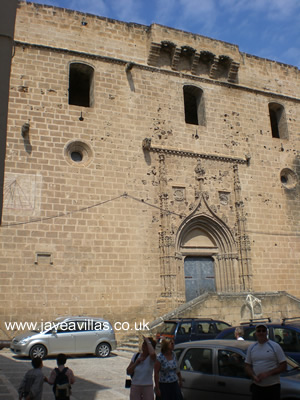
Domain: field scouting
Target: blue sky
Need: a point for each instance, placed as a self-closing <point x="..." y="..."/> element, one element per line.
<point x="265" y="28"/>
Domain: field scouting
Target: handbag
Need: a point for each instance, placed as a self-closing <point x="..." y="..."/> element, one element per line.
<point x="128" y="381"/>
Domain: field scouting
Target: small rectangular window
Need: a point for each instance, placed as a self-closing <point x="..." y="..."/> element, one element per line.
<point x="81" y="85"/>
<point x="193" y="105"/>
<point x="278" y="121"/>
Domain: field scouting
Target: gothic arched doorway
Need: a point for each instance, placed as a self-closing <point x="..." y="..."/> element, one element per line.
<point x="208" y="256"/>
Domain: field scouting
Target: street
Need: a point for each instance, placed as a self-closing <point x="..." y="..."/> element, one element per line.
<point x="96" y="378"/>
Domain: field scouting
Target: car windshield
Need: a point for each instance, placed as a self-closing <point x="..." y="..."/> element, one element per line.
<point x="221" y="326"/>
<point x="48" y="326"/>
<point x="292" y="364"/>
<point x="168" y="327"/>
<point x="37" y="328"/>
<point x="41" y="327"/>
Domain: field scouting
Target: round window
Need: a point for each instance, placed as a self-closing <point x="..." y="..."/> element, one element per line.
<point x="78" y="153"/>
<point x="76" y="156"/>
<point x="288" y="178"/>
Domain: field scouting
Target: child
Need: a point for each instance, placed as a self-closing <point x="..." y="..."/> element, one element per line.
<point x="31" y="387"/>
<point x="61" y="378"/>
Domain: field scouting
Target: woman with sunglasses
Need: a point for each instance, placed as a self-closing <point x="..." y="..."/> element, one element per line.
<point x="141" y="371"/>
<point x="166" y="373"/>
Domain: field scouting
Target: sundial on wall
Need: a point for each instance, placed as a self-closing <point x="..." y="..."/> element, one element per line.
<point x="20" y="192"/>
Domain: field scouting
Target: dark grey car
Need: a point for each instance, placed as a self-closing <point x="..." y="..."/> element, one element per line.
<point x="190" y="329"/>
<point x="285" y="333"/>
<point x="214" y="369"/>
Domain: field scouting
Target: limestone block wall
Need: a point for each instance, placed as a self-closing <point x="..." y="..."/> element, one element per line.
<point x="108" y="235"/>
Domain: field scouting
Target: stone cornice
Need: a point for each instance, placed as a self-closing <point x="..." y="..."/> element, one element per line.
<point x="186" y="153"/>
<point x="157" y="70"/>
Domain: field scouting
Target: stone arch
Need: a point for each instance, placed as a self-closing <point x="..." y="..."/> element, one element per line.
<point x="208" y="236"/>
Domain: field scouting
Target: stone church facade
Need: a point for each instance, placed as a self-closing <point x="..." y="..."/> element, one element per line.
<point x="144" y="166"/>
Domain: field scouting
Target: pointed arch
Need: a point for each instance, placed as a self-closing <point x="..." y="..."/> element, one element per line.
<point x="207" y="235"/>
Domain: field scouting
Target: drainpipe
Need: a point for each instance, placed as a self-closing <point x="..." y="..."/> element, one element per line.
<point x="8" y="9"/>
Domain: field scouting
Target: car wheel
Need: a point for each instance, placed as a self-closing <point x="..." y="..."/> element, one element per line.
<point x="103" y="350"/>
<point x="38" y="350"/>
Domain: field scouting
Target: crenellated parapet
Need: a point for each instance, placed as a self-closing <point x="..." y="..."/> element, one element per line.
<point x="190" y="60"/>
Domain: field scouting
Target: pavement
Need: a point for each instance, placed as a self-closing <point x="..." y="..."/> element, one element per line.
<point x="96" y="378"/>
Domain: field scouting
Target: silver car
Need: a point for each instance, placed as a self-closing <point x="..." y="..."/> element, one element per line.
<point x="68" y="335"/>
<point x="214" y="369"/>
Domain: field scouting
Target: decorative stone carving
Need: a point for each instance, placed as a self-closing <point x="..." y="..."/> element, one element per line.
<point x="154" y="53"/>
<point x="195" y="62"/>
<point x="214" y="68"/>
<point x="214" y="62"/>
<point x="146" y="144"/>
<point x="179" y="193"/>
<point x="233" y="72"/>
<point x="200" y="172"/>
<point x="176" y="57"/>
<point x="224" y="198"/>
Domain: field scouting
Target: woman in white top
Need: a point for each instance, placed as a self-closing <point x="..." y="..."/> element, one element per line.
<point x="239" y="333"/>
<point x="141" y="371"/>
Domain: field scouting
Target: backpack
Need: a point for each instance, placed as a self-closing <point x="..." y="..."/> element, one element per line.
<point x="61" y="388"/>
<point x="128" y="381"/>
<point x="29" y="379"/>
<point x="134" y="360"/>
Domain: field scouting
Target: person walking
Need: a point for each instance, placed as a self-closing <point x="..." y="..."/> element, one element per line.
<point x="31" y="387"/>
<point x="166" y="373"/>
<point x="141" y="370"/>
<point x="265" y="360"/>
<point x="61" y="378"/>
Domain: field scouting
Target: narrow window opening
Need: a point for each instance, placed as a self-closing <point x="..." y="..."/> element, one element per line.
<point x="274" y="124"/>
<point x="81" y="85"/>
<point x="278" y="121"/>
<point x="193" y="105"/>
<point x="190" y="108"/>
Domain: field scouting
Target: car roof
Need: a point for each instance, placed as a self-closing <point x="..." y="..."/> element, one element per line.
<point x="79" y="318"/>
<point x="237" y="344"/>
<point x="194" y="319"/>
<point x="289" y="324"/>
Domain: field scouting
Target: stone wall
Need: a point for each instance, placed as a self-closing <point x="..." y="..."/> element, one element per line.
<point x="237" y="308"/>
<point x="108" y="235"/>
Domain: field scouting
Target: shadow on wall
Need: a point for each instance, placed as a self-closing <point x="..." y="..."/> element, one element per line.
<point x="13" y="370"/>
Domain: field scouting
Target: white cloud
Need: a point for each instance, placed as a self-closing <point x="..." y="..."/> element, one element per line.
<point x="271" y="9"/>
<point x="127" y="10"/>
<point x="198" y="13"/>
<point x="166" y="11"/>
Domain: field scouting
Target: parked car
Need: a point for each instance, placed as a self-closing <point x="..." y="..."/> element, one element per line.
<point x="214" y="369"/>
<point x="69" y="335"/>
<point x="285" y="333"/>
<point x="190" y="329"/>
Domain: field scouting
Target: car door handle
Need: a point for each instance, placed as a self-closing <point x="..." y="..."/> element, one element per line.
<point x="221" y="383"/>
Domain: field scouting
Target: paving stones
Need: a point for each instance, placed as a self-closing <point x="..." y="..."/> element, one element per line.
<point x="96" y="378"/>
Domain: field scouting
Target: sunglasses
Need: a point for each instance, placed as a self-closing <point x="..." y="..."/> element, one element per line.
<point x="261" y="330"/>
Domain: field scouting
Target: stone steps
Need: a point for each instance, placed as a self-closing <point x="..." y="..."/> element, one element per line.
<point x="129" y="344"/>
